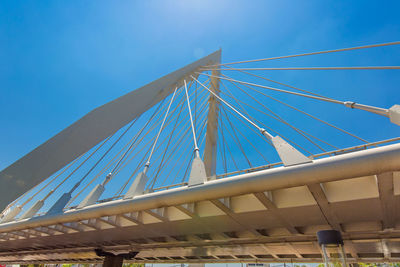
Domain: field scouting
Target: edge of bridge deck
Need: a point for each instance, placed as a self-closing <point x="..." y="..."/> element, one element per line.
<point x="361" y="163"/>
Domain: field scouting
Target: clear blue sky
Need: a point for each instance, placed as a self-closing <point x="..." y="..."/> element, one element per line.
<point x="61" y="59"/>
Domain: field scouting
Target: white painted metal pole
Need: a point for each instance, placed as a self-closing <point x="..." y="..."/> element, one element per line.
<point x="196" y="148"/>
<point x="210" y="149"/>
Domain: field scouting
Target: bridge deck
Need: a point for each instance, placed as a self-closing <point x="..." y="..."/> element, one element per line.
<point x="230" y="219"/>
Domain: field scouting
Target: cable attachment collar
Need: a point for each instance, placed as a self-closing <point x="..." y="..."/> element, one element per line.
<point x="107" y="179"/>
<point x="265" y="133"/>
<point x="349" y="104"/>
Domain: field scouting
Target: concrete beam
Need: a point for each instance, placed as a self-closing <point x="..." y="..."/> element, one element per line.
<point x="386" y="196"/>
<point x="262" y="197"/>
<point x="324" y="206"/>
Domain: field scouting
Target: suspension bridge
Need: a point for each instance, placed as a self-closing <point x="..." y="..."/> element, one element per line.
<point x="199" y="166"/>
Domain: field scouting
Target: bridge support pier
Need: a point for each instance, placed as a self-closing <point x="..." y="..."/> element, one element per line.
<point x="112" y="260"/>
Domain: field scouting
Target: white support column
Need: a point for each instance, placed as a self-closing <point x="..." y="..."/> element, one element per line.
<point x="11" y="214"/>
<point x="138" y="185"/>
<point x="210" y="152"/>
<point x="93" y="196"/>
<point x="33" y="210"/>
<point x="60" y="204"/>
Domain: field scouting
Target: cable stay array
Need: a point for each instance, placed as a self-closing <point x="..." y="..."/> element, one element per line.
<point x="310" y="53"/>
<point x="393" y="113"/>
<point x="212" y="125"/>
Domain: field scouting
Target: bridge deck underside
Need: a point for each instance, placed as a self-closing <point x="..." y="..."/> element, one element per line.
<point x="273" y="226"/>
